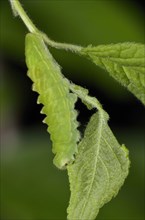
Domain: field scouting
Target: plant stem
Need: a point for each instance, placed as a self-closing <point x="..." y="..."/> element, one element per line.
<point x="79" y="91"/>
<point x="18" y="10"/>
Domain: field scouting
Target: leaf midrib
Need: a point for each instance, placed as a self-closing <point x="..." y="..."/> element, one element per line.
<point x="96" y="160"/>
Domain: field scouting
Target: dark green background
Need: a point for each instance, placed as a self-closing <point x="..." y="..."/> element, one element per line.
<point x="31" y="187"/>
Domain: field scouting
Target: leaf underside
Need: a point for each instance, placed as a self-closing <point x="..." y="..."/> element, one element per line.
<point x="124" y="61"/>
<point x="99" y="171"/>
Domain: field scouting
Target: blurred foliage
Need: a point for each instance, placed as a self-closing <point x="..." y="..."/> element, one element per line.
<point x="31" y="187"/>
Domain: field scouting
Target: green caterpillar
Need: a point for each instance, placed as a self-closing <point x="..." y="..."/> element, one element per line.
<point x="58" y="102"/>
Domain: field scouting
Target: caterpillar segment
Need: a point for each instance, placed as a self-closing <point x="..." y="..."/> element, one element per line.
<point x="58" y="102"/>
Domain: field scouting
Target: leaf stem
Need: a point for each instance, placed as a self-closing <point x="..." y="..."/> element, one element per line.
<point x="79" y="91"/>
<point x="18" y="10"/>
<point x="64" y="46"/>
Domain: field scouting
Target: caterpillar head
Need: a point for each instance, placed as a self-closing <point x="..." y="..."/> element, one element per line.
<point x="61" y="160"/>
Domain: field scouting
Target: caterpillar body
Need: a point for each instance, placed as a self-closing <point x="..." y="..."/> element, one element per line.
<point x="58" y="102"/>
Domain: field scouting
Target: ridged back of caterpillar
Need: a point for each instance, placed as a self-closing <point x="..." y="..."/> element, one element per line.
<point x="58" y="102"/>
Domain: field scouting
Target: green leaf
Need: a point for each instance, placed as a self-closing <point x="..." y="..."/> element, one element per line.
<point x="124" y="61"/>
<point x="99" y="171"/>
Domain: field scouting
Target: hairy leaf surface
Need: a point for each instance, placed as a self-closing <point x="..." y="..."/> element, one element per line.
<point x="124" y="61"/>
<point x="99" y="171"/>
